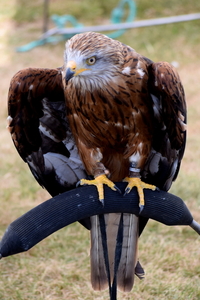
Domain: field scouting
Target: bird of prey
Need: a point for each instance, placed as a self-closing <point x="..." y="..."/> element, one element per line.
<point x="109" y="114"/>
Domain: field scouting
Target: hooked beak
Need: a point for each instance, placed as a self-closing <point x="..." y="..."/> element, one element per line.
<point x="72" y="70"/>
<point x="69" y="74"/>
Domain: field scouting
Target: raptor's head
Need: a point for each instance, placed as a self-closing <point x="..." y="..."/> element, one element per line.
<point x="92" y="59"/>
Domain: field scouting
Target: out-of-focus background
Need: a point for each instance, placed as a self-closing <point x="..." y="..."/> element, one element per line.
<point x="58" y="267"/>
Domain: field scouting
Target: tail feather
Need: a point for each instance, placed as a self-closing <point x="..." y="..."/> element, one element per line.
<point x="98" y="270"/>
<point x="126" y="270"/>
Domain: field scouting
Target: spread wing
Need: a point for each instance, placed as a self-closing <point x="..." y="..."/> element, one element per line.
<point x="40" y="130"/>
<point x="169" y="108"/>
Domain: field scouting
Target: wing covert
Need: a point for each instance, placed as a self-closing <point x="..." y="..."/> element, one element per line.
<point x="40" y="130"/>
<point x="169" y="138"/>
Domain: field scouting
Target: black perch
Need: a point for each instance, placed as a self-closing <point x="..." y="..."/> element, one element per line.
<point x="81" y="203"/>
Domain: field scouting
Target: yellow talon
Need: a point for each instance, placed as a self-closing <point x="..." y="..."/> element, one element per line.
<point x="98" y="182"/>
<point x="140" y="185"/>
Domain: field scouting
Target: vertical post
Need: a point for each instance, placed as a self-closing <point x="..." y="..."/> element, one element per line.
<point x="45" y="15"/>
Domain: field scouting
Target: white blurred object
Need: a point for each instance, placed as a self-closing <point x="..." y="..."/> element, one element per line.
<point x="175" y="64"/>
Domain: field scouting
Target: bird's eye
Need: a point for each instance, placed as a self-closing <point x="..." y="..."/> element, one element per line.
<point x="91" y="61"/>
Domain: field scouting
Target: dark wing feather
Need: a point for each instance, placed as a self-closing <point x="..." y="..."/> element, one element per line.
<point x="169" y="108"/>
<point x="40" y="130"/>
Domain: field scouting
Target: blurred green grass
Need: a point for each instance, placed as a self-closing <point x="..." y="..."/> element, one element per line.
<point x="153" y="41"/>
<point x="92" y="11"/>
<point x="58" y="267"/>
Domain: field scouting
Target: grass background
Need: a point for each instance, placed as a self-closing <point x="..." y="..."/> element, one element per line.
<point x="58" y="267"/>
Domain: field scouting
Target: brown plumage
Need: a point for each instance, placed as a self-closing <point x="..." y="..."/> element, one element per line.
<point x="108" y="117"/>
<point x="109" y="112"/>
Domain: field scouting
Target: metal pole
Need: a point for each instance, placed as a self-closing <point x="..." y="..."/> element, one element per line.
<point x="45" y="16"/>
<point x="135" y="24"/>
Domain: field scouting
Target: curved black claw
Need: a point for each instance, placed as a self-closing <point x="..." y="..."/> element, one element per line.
<point x="78" y="183"/>
<point x="141" y="208"/>
<point x="101" y="201"/>
<point x="117" y="189"/>
<point x="127" y="190"/>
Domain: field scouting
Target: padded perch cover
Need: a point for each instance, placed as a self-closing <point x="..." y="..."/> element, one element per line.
<point x="82" y="202"/>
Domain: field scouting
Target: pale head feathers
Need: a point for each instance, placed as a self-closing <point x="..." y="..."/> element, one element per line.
<point x="108" y="55"/>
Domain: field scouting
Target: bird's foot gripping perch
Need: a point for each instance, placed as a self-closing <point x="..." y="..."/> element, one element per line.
<point x="98" y="181"/>
<point x="140" y="185"/>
